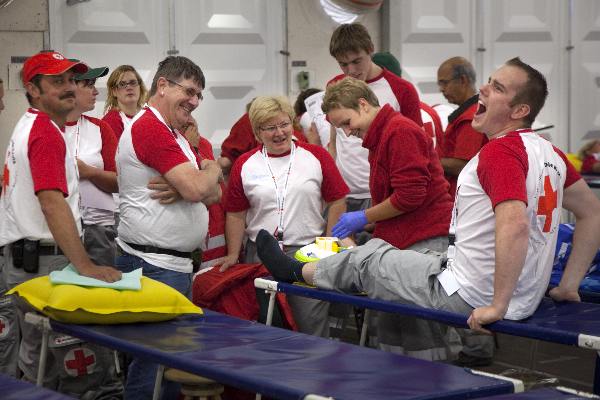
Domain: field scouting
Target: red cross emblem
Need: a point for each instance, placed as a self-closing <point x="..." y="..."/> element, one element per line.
<point x="5" y="178"/>
<point x="4" y="327"/>
<point x="80" y="361"/>
<point x="547" y="204"/>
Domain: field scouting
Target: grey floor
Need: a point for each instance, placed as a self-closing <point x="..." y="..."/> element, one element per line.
<point x="541" y="363"/>
<point x="535" y="362"/>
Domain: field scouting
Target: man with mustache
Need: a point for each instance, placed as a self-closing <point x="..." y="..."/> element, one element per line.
<point x="504" y="222"/>
<point x="164" y="221"/>
<point x="39" y="208"/>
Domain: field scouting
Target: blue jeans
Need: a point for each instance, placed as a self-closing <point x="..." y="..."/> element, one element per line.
<point x="141" y="374"/>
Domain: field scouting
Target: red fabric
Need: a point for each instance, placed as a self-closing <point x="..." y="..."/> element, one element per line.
<point x="462" y="141"/>
<point x="588" y="164"/>
<point x="572" y="174"/>
<point x="47" y="151"/>
<point x="508" y="182"/>
<point x="406" y="169"/>
<point x="405" y="93"/>
<point x="155" y="145"/>
<point x="235" y="199"/>
<point x="232" y="292"/>
<point x="109" y="144"/>
<point x="113" y="119"/>
<point x="434" y="130"/>
<point x="216" y="213"/>
<point x="333" y="186"/>
<point x="240" y="140"/>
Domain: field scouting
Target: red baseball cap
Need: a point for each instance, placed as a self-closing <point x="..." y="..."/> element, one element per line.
<point x="49" y="63"/>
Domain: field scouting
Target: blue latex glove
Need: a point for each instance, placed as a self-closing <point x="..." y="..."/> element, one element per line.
<point x="349" y="223"/>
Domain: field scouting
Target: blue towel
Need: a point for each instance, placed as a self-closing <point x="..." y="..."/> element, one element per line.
<point x="70" y="276"/>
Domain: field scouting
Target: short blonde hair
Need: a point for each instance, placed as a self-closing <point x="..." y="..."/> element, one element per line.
<point x="264" y="108"/>
<point x="345" y="94"/>
<point x="583" y="151"/>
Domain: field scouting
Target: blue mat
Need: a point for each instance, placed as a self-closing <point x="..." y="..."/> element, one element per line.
<point x="285" y="364"/>
<point x="12" y="389"/>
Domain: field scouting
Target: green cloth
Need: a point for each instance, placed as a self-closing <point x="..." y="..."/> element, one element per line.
<point x="70" y="276"/>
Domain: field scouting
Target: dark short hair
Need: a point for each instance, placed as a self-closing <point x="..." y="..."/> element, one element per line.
<point x="299" y="106"/>
<point x="350" y="38"/>
<point x="533" y="93"/>
<point x="176" y="68"/>
<point x="465" y="69"/>
<point x="36" y="80"/>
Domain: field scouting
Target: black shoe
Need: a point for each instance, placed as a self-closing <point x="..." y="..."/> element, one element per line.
<point x="467" y="361"/>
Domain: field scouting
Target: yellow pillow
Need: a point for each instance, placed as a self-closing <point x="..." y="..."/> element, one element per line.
<point x="576" y="161"/>
<point x="91" y="305"/>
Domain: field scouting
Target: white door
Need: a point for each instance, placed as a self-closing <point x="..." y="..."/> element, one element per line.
<point x="424" y="33"/>
<point x="235" y="42"/>
<point x="531" y="30"/>
<point x="585" y="67"/>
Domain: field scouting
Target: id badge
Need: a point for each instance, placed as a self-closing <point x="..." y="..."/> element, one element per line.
<point x="279" y="237"/>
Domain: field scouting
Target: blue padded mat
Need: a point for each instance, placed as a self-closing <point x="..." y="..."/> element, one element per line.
<point x="13" y="389"/>
<point x="552" y="321"/>
<point x="285" y="364"/>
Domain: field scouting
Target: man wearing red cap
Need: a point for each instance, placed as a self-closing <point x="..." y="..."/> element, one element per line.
<point x="39" y="206"/>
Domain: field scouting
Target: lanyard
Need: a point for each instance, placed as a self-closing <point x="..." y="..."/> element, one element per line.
<point x="185" y="147"/>
<point x="280" y="193"/>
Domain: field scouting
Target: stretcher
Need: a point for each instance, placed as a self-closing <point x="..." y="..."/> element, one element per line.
<point x="284" y="364"/>
<point x="13" y="389"/>
<point x="569" y="323"/>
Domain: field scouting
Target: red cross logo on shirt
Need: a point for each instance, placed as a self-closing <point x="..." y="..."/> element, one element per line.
<point x="547" y="203"/>
<point x="80" y="361"/>
<point x="4" y="327"/>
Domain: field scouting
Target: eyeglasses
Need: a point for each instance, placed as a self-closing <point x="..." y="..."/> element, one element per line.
<point x="273" y="128"/>
<point x="445" y="82"/>
<point x="189" y="91"/>
<point x="124" y="84"/>
<point x="89" y="82"/>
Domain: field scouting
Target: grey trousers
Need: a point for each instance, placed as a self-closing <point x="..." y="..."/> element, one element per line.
<point x="311" y="315"/>
<point x="403" y="276"/>
<point x="99" y="243"/>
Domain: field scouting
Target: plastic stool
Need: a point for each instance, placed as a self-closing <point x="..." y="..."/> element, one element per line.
<point x="194" y="386"/>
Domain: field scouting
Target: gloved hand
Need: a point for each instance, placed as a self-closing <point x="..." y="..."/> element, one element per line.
<point x="349" y="223"/>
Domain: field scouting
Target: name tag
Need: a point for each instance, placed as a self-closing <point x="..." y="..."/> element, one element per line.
<point x="448" y="282"/>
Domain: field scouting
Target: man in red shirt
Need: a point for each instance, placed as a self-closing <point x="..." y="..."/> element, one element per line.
<point x="456" y="80"/>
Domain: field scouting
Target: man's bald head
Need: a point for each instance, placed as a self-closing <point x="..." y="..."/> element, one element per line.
<point x="456" y="80"/>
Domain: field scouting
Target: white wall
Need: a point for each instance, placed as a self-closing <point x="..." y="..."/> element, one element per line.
<point x="309" y="31"/>
<point x="22" y="26"/>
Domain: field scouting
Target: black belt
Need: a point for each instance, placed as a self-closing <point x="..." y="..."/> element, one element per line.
<point x="45" y="249"/>
<point x="50" y="250"/>
<point x="158" y="250"/>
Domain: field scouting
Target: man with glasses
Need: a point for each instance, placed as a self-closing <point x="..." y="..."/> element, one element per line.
<point x="93" y="144"/>
<point x="456" y="80"/>
<point x="39" y="210"/>
<point x="159" y="229"/>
